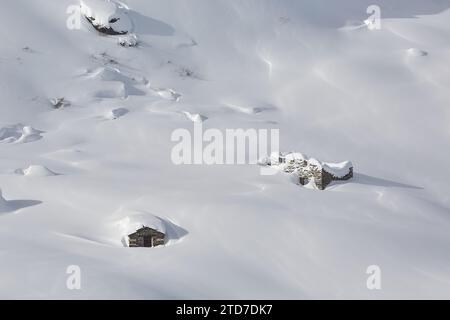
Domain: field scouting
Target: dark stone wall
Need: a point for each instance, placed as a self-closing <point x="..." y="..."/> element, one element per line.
<point x="146" y="238"/>
<point x="307" y="171"/>
<point x="326" y="179"/>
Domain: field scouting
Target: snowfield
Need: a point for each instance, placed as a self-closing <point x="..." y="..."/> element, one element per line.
<point x="76" y="179"/>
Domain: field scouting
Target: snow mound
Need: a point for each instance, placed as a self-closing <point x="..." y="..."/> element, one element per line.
<point x="116" y="113"/>
<point x="241" y="109"/>
<point x="129" y="40"/>
<point x="168" y="94"/>
<point x="19" y="134"/>
<point x="107" y="16"/>
<point x="414" y="52"/>
<point x="118" y="84"/>
<point x="107" y="74"/>
<point x="311" y="185"/>
<point x="36" y="171"/>
<point x="195" y="117"/>
<point x="59" y="103"/>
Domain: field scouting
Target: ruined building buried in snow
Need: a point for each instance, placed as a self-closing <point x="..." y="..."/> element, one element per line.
<point x="146" y="237"/>
<point x="311" y="171"/>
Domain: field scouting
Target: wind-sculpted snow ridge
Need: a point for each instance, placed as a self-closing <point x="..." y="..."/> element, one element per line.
<point x="119" y="84"/>
<point x="19" y="134"/>
<point x="11" y="206"/>
<point x="3" y="203"/>
<point x="167" y="94"/>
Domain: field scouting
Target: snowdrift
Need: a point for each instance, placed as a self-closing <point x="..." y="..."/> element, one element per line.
<point x="36" y="171"/>
<point x="19" y="134"/>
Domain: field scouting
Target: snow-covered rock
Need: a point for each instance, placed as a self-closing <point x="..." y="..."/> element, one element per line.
<point x="129" y="40"/>
<point x="415" y="52"/>
<point x="195" y="117"/>
<point x="59" y="103"/>
<point x="107" y="16"/>
<point x="116" y="113"/>
<point x="36" y="171"/>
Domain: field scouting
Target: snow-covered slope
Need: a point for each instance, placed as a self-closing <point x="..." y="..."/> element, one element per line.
<point x="334" y="88"/>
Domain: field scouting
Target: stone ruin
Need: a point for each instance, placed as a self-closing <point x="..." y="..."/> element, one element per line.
<point x="311" y="171"/>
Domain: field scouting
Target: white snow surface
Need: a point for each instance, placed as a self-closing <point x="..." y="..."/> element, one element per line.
<point x="335" y="89"/>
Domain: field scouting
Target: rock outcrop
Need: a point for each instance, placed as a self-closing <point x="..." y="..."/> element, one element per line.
<point x="106" y="16"/>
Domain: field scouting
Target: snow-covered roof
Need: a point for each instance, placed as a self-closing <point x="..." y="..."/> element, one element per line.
<point x="337" y="169"/>
<point x="3" y="202"/>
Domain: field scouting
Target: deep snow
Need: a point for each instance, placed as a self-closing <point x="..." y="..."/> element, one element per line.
<point x="335" y="89"/>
